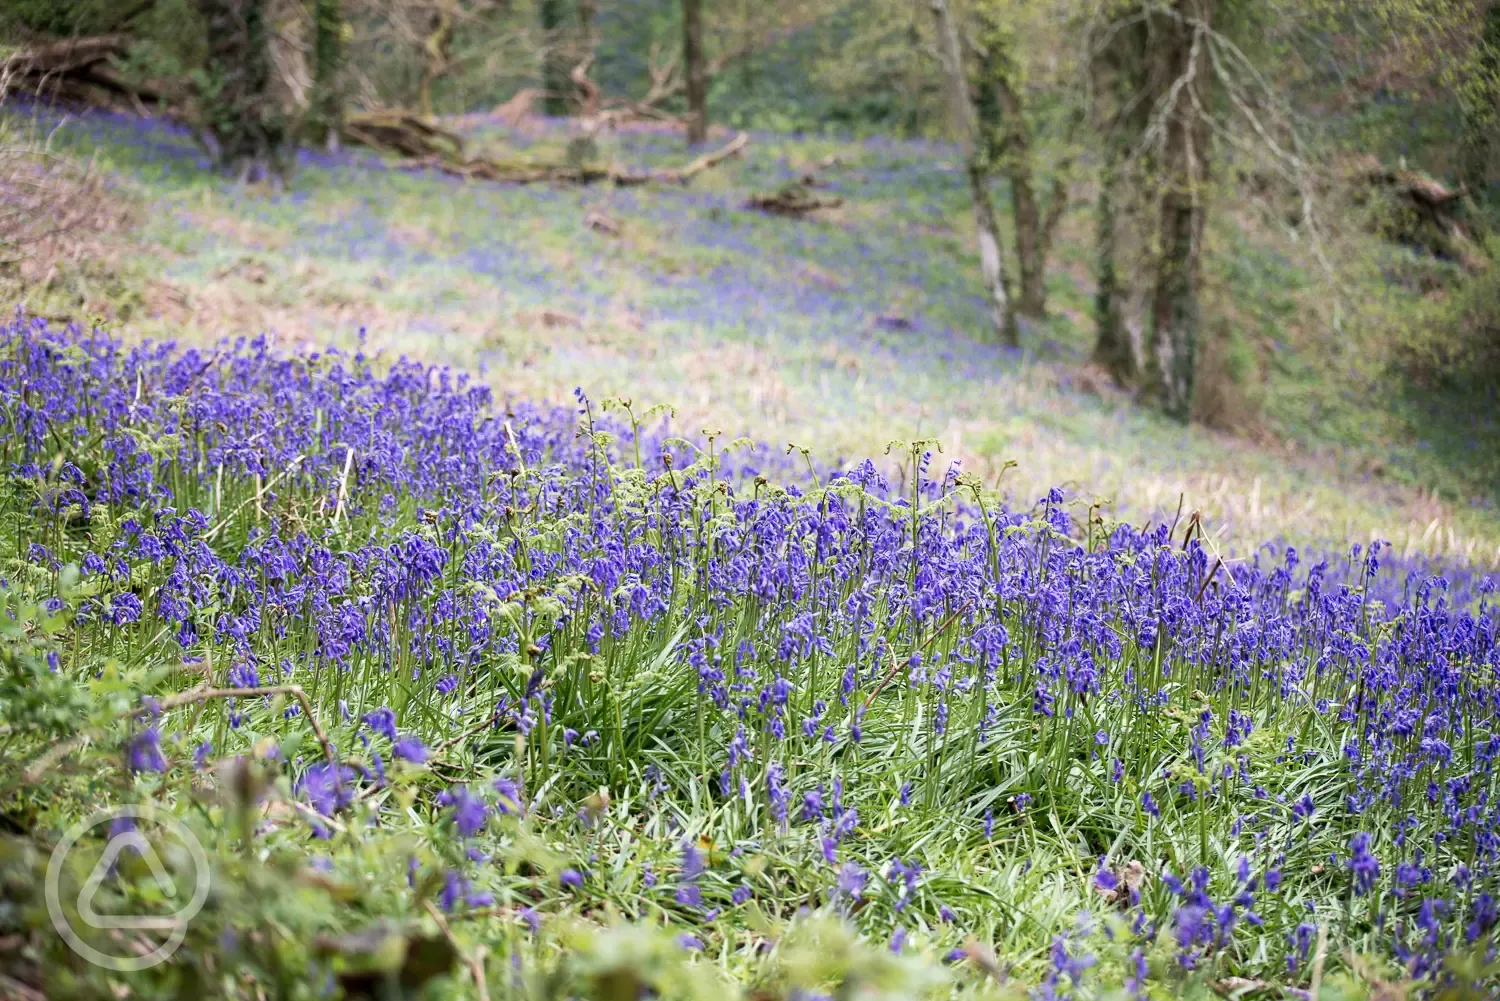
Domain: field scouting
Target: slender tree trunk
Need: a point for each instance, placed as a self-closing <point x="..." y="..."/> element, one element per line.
<point x="248" y="129"/>
<point x="747" y="43"/>
<point x="1112" y="345"/>
<point x="1482" y="104"/>
<point x="1174" y="305"/>
<point x="435" y="48"/>
<point x="991" y="253"/>
<point x="555" y="83"/>
<point x="1015" y="148"/>
<point x="326" y="110"/>
<point x="697" y="76"/>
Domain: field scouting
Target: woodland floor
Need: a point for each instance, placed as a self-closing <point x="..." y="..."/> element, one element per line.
<point x="840" y="331"/>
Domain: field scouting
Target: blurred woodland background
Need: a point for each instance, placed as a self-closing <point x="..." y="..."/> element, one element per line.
<point x="1278" y="217"/>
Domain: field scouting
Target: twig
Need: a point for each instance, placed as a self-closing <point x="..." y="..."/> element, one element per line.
<point x="338" y="508"/>
<point x="314" y="817"/>
<point x="1210" y="576"/>
<point x="511" y="434"/>
<point x="1318" y="957"/>
<point x="59" y="751"/>
<point x="259" y="493"/>
<point x="896" y="665"/>
<point x="453" y="741"/>
<point x="475" y="962"/>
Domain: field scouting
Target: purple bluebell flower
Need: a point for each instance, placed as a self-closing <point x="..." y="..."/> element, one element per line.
<point x="143" y="752"/>
<point x="470" y="813"/>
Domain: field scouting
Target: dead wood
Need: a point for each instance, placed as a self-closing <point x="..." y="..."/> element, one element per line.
<point x="810" y="176"/>
<point x="404" y="133"/>
<point x="1426" y="213"/>
<point x="601" y="223"/>
<point x="588" y="90"/>
<point x="428" y="146"/>
<point x="65" y="57"/>
<point x="78" y="71"/>
<point x="794" y="200"/>
<point x="519" y="108"/>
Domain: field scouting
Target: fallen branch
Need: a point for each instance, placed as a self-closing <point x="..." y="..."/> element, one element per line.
<point x="78" y="71"/>
<point x="528" y="172"/>
<point x="65" y="57"/>
<point x="667" y="81"/>
<point x="792" y="200"/>
<point x="1429" y="214"/>
<point x="704" y="162"/>
<point x="404" y="133"/>
<point x="810" y="177"/>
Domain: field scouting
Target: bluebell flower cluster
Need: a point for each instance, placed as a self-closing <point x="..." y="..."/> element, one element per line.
<point x="834" y="653"/>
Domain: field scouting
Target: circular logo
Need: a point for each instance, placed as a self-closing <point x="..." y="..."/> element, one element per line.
<point x="125" y="824"/>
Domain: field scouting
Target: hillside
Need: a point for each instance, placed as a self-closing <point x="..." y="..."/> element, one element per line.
<point x="861" y="324"/>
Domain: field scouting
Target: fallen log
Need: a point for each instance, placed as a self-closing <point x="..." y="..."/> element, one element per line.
<point x="65" y="57"/>
<point x="424" y="154"/>
<point x="404" y="133"/>
<point x="1425" y="212"/>
<point x="793" y="200"/>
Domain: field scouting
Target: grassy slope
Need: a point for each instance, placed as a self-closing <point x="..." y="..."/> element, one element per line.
<point x="775" y="328"/>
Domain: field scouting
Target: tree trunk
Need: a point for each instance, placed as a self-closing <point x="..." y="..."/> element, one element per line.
<point x="587" y="43"/>
<point x="435" y="49"/>
<point x="991" y="253"/>
<point x="1014" y="147"/>
<point x="248" y="129"/>
<point x="1112" y="347"/>
<point x="1174" y="305"/>
<point x="1482" y="106"/>
<point x="555" y="84"/>
<point x="697" y="78"/>
<point x="326" y="111"/>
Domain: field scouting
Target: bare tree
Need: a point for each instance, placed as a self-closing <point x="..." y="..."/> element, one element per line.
<point x="697" y="77"/>
<point x="991" y="252"/>
<point x="1007" y="137"/>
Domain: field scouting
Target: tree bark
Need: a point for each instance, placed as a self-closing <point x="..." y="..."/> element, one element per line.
<point x="435" y="50"/>
<point x="326" y="113"/>
<point x="1015" y="147"/>
<point x="697" y="76"/>
<point x="248" y="130"/>
<point x="1174" y="305"/>
<point x="555" y="83"/>
<point x="586" y="99"/>
<point x="991" y="252"/>
<point x="1113" y="346"/>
